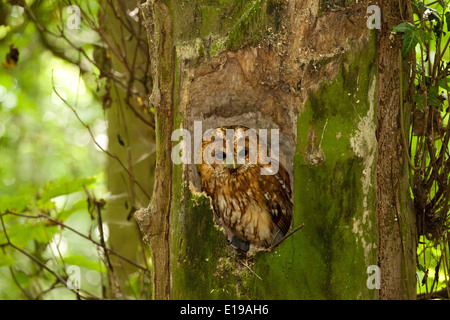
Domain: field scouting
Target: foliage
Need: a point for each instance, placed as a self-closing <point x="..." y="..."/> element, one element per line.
<point x="429" y="138"/>
<point x="55" y="84"/>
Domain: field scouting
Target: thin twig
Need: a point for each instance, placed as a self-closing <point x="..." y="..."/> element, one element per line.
<point x="64" y="226"/>
<point x="287" y="236"/>
<point x="272" y="247"/>
<point x="88" y="128"/>
<point x="244" y="263"/>
<point x="41" y="264"/>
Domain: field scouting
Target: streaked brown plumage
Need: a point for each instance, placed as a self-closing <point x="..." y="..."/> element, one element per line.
<point x="255" y="208"/>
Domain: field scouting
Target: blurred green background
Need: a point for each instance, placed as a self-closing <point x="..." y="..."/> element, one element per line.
<point x="45" y="150"/>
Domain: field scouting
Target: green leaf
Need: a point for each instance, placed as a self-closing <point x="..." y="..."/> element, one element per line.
<point x="22" y="278"/>
<point x="411" y="36"/>
<point x="437" y="29"/>
<point x="19" y="234"/>
<point x="64" y="187"/>
<point x="78" y="206"/>
<point x="45" y="205"/>
<point x="6" y="260"/>
<point x="447" y="20"/>
<point x="14" y="203"/>
<point x="419" y="99"/>
<point x="44" y="234"/>
<point x="433" y="92"/>
<point x="418" y="7"/>
<point x="410" y="41"/>
<point x="404" y="27"/>
<point x="4" y="31"/>
<point x="81" y="261"/>
<point x="433" y="16"/>
<point x="444" y="83"/>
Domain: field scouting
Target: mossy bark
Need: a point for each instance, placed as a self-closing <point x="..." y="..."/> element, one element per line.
<point x="314" y="75"/>
<point x="334" y="193"/>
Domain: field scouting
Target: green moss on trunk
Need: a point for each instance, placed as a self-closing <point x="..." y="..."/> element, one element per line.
<point x="334" y="197"/>
<point x="334" y="184"/>
<point x="242" y="22"/>
<point x="201" y="267"/>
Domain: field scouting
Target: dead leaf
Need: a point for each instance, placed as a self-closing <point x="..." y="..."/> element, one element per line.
<point x="12" y="57"/>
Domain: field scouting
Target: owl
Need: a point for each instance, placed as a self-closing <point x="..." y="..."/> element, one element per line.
<point x="254" y="208"/>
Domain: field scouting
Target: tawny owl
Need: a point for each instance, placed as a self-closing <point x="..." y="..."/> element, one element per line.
<point x="254" y="208"/>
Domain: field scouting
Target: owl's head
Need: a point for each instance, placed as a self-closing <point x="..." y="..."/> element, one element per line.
<point x="231" y="150"/>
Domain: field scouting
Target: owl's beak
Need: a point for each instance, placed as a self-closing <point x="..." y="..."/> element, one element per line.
<point x="231" y="165"/>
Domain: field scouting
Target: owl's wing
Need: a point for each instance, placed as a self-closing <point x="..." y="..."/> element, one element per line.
<point x="277" y="194"/>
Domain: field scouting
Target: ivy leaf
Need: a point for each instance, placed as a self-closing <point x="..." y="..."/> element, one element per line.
<point x="409" y="43"/>
<point x="432" y="97"/>
<point x="447" y="20"/>
<point x="444" y="83"/>
<point x="404" y="27"/>
<point x="418" y="7"/>
<point x="419" y="99"/>
<point x="411" y="36"/>
<point x="437" y="28"/>
<point x="433" y="16"/>
<point x="421" y="268"/>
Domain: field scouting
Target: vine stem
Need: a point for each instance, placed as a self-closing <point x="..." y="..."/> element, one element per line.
<point x="402" y="114"/>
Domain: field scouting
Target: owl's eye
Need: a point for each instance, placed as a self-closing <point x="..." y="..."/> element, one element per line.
<point x="221" y="155"/>
<point x="243" y="153"/>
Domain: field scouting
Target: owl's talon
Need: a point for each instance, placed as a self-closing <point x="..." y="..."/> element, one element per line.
<point x="269" y="249"/>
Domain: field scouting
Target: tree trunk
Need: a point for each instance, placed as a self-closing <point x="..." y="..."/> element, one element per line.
<point x="310" y="69"/>
<point x="130" y="139"/>
<point x="397" y="237"/>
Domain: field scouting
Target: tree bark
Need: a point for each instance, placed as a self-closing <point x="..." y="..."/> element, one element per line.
<point x="396" y="220"/>
<point x="156" y="217"/>
<point x="309" y="69"/>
